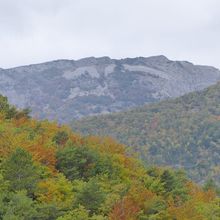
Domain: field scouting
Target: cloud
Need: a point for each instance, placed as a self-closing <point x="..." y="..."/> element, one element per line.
<point x="40" y="30"/>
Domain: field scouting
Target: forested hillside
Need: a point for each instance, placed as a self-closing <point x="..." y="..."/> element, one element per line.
<point x="48" y="172"/>
<point x="182" y="133"/>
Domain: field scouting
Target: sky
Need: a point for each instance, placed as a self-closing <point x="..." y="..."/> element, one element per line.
<point x="35" y="31"/>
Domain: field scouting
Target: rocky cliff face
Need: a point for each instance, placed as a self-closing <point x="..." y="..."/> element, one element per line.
<point x="67" y="89"/>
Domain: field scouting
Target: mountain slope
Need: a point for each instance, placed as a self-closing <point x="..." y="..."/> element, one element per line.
<point x="68" y="89"/>
<point x="47" y="172"/>
<point x="183" y="132"/>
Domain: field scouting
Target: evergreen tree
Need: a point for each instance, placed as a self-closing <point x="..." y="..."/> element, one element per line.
<point x="20" y="171"/>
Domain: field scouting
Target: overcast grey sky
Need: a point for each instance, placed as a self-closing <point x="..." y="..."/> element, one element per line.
<point x="33" y="31"/>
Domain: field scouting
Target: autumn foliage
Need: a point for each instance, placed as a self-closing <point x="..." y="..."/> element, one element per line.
<point x="48" y="172"/>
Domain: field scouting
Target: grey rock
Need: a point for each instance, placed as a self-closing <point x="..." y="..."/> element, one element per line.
<point x="64" y="90"/>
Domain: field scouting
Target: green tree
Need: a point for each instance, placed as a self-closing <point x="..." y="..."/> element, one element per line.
<point x="10" y="111"/>
<point x="79" y="213"/>
<point x="6" y="109"/>
<point x="174" y="184"/>
<point x="77" y="162"/>
<point x="91" y="196"/>
<point x="20" y="171"/>
<point x="210" y="184"/>
<point x="17" y="206"/>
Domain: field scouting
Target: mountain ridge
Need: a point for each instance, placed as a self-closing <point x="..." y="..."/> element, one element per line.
<point x="69" y="89"/>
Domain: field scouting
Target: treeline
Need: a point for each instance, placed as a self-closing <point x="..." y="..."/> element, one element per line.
<point x="48" y="172"/>
<point x="182" y="132"/>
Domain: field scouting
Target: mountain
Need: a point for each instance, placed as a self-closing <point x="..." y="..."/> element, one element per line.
<point x="47" y="172"/>
<point x="182" y="132"/>
<point x="66" y="89"/>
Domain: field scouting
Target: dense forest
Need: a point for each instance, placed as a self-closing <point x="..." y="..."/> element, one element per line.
<point x="48" y="172"/>
<point x="182" y="132"/>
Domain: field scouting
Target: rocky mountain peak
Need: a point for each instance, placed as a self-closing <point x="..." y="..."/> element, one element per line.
<point x="68" y="89"/>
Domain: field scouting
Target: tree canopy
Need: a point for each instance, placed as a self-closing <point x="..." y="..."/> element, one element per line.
<point x="48" y="172"/>
<point x="181" y="133"/>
